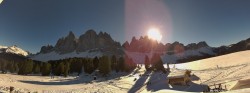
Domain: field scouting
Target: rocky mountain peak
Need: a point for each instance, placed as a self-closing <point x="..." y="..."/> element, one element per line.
<point x="202" y="44"/>
<point x="46" y="49"/>
<point x="13" y="50"/>
<point x="71" y="35"/>
<point x="193" y="46"/>
<point x="91" y="32"/>
<point x="64" y="45"/>
<point x="87" y="41"/>
<point x="125" y="45"/>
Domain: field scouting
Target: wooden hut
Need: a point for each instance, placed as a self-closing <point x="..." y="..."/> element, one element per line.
<point x="179" y="78"/>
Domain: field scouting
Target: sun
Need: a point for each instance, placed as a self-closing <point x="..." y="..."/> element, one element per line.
<point x="154" y="33"/>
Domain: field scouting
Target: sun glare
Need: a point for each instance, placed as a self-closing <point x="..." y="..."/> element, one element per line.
<point x="154" y="33"/>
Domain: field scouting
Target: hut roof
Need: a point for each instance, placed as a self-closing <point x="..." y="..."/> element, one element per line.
<point x="179" y="74"/>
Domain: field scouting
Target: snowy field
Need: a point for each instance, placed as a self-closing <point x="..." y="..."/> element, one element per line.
<point x="232" y="71"/>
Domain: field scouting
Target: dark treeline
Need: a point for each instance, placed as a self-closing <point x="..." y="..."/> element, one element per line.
<point x="154" y="64"/>
<point x="104" y="65"/>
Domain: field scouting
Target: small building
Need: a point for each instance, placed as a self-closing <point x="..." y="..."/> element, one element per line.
<point x="179" y="78"/>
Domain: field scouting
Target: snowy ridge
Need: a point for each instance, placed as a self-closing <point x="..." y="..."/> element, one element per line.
<point x="14" y="50"/>
<point x="166" y="58"/>
<point x="198" y="52"/>
<point x="56" y="56"/>
<point x="232" y="59"/>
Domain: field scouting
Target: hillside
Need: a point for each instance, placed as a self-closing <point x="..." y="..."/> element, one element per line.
<point x="232" y="59"/>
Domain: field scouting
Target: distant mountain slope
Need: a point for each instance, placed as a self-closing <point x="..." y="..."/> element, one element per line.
<point x="232" y="59"/>
<point x="13" y="50"/>
<point x="177" y="52"/>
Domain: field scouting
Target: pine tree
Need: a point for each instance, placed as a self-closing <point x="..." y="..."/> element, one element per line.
<point x="16" y="67"/>
<point x="104" y="65"/>
<point x="79" y="66"/>
<point x="157" y="63"/>
<point x="10" y="67"/>
<point x="88" y="66"/>
<point x="66" y="70"/>
<point x="37" y="68"/>
<point x="147" y="63"/>
<point x="113" y="62"/>
<point x="60" y="68"/>
<point x="95" y="62"/>
<point x="46" y="68"/>
<point x="3" y="66"/>
<point x="26" y="67"/>
<point x="121" y="64"/>
<point x="127" y="64"/>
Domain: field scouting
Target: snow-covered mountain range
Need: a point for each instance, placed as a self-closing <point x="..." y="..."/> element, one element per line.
<point x="13" y="50"/>
<point x="91" y="44"/>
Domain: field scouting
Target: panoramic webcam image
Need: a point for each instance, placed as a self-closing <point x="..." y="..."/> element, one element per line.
<point x="124" y="46"/>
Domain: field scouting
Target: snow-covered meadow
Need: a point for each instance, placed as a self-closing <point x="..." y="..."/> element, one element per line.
<point x="232" y="71"/>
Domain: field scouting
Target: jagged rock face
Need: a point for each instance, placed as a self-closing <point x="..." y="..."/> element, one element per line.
<point x="177" y="48"/>
<point x="193" y="46"/>
<point x="202" y="44"/>
<point x="143" y="45"/>
<point x="240" y="46"/>
<point x="221" y="50"/>
<point x="46" y="49"/>
<point x="88" y="41"/>
<point x="125" y="45"/>
<point x="67" y="44"/>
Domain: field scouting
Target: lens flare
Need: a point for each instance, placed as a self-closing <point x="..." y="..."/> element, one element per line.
<point x="140" y="15"/>
<point x="154" y="33"/>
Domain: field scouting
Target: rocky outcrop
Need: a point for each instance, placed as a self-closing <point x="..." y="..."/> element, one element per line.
<point x="67" y="44"/>
<point x="92" y="40"/>
<point x="193" y="46"/>
<point x="144" y="45"/>
<point x="46" y="49"/>
<point x="86" y="42"/>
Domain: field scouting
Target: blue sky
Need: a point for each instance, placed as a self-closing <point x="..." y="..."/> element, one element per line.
<point x="31" y="24"/>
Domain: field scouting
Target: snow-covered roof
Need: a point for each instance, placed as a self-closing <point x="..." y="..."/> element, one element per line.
<point x="179" y="74"/>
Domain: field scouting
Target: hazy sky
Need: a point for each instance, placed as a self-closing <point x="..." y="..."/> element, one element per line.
<point x="31" y="24"/>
